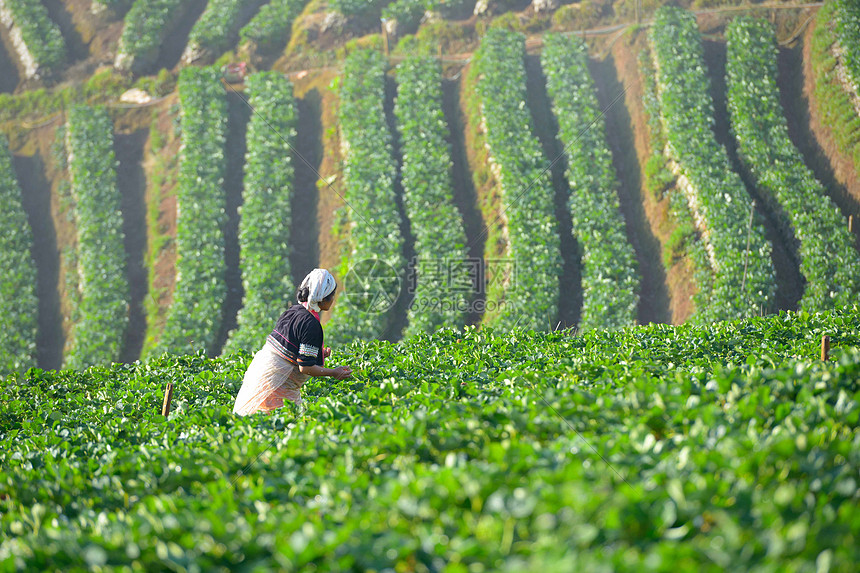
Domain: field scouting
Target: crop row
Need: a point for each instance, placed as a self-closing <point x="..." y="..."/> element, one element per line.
<point x="264" y="226"/>
<point x="835" y="105"/>
<point x="374" y="264"/>
<point x="272" y="24"/>
<point x="198" y="296"/>
<point x="531" y="293"/>
<point x="218" y="28"/>
<point x="828" y="260"/>
<point x="407" y="13"/>
<point x="726" y="447"/>
<point x="428" y="197"/>
<point x="847" y="19"/>
<point x="18" y="320"/>
<point x="609" y="277"/>
<point x="36" y="37"/>
<point x="361" y="8"/>
<point x="101" y="318"/>
<point x="147" y="25"/>
<point x="743" y="276"/>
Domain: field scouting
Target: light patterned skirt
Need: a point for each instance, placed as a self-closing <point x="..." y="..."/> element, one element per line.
<point x="269" y="381"/>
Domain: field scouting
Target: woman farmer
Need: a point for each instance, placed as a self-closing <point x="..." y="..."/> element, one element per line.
<point x="293" y="351"/>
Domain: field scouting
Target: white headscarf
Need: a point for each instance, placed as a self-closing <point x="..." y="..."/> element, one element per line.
<point x="320" y="284"/>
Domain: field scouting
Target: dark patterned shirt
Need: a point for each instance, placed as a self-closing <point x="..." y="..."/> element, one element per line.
<point x="298" y="337"/>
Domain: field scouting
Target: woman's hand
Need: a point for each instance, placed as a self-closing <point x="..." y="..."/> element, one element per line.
<point x="326" y="351"/>
<point x="342" y="372"/>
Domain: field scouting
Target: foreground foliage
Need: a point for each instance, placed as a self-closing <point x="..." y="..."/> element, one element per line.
<point x="743" y="279"/>
<point x="828" y="259"/>
<point x="19" y="306"/>
<point x="729" y="447"/>
<point x="266" y="215"/>
<point x="101" y="317"/>
<point x="198" y="296"/>
<point x="610" y="281"/>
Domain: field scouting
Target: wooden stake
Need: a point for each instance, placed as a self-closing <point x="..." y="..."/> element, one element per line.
<point x="168" y="396"/>
<point x="825" y="346"/>
<point x="850" y="223"/>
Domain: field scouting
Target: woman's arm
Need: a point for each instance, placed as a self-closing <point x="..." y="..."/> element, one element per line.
<point x="340" y="373"/>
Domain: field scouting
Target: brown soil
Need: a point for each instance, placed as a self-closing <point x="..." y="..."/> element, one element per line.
<point x="680" y="284"/>
<point x="99" y="33"/>
<point x="131" y="180"/>
<point x="162" y="264"/>
<point x="785" y="260"/>
<point x="91" y="39"/>
<point x="813" y="138"/>
<point x="330" y="194"/>
<point x="653" y="293"/>
<point x="465" y="197"/>
<point x="546" y="130"/>
<point x="235" y="148"/>
<point x="61" y="14"/>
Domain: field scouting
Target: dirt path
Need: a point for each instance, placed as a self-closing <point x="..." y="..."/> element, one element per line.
<point x="546" y="128"/>
<point x="76" y="48"/>
<point x="653" y="294"/>
<point x="234" y="173"/>
<point x="176" y="40"/>
<point x="789" y="281"/>
<point x="680" y="285"/>
<point x="465" y="197"/>
<point x="398" y="314"/>
<point x="36" y="199"/>
<point x="304" y="229"/>
<point x="321" y="196"/>
<point x="10" y="75"/>
<point x="131" y="181"/>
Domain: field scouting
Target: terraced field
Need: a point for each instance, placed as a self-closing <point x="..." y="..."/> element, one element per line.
<point x="385" y="183"/>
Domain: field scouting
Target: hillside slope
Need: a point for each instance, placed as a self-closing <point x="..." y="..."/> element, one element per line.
<point x="148" y="138"/>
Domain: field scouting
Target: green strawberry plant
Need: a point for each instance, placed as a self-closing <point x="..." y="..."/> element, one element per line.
<point x="828" y="260"/>
<point x="530" y="298"/>
<point x="727" y="446"/>
<point x="266" y="220"/>
<point x="443" y="284"/>
<point x="98" y="332"/>
<point x="18" y="320"/>
<point x="194" y="318"/>
<point x="743" y="279"/>
<point x="370" y="172"/>
<point x="610" y="280"/>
